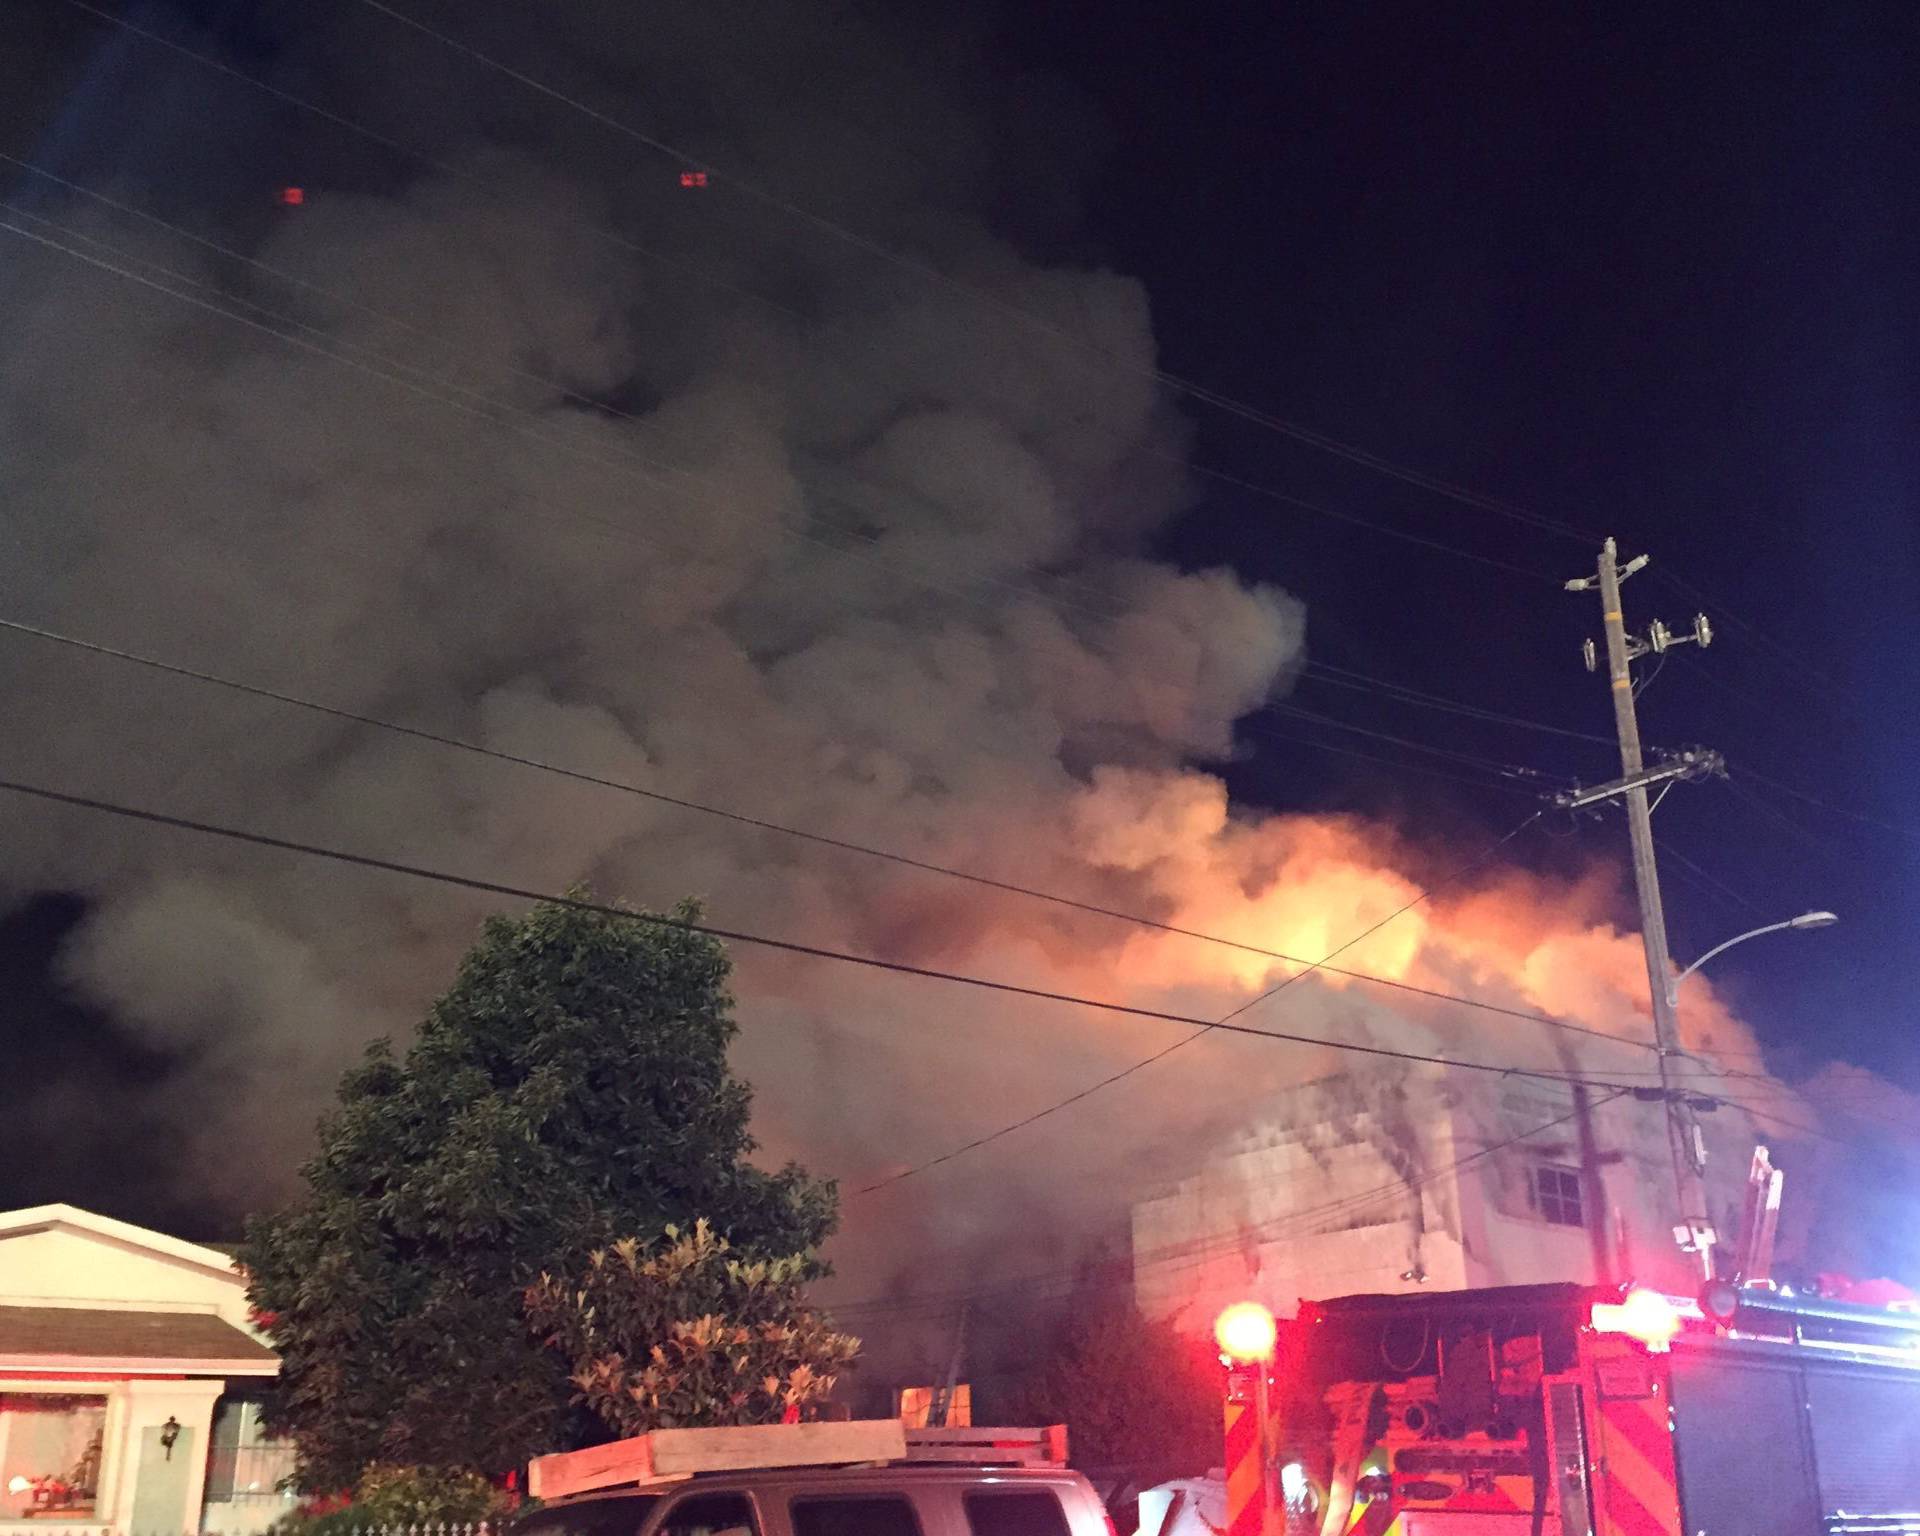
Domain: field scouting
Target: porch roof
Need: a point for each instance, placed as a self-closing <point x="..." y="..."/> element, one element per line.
<point x="39" y="1339"/>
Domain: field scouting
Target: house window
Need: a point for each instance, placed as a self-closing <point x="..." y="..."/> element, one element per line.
<point x="50" y="1455"/>
<point x="1557" y="1191"/>
<point x="244" y="1462"/>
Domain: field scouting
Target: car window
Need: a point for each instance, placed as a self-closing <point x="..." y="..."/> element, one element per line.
<point x="1028" y="1512"/>
<point x="882" y="1516"/>
<point x="710" y="1514"/>
<point x="591" y="1517"/>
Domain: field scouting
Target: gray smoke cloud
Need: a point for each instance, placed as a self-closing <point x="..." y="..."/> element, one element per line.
<point x="665" y="486"/>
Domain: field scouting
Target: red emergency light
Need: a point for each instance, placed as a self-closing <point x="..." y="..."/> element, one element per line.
<point x="292" y="197"/>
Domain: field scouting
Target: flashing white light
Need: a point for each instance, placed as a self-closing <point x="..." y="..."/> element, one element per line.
<point x="1641" y="1314"/>
<point x="20" y="1485"/>
<point x="1246" y="1331"/>
<point x="1293" y="1483"/>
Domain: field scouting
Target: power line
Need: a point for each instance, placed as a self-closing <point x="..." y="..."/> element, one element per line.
<point x="1818" y="683"/>
<point x="785" y="946"/>
<point x="647" y="470"/>
<point x="562" y="390"/>
<point x="1340" y="677"/>
<point x="925" y="270"/>
<point x="1282" y="498"/>
<point x="699" y="271"/>
<point x="486" y="411"/>
<point x="1395" y="763"/>
<point x="1506" y="770"/>
<point x="1834" y="810"/>
<point x="758" y="823"/>
<point x="1749" y="772"/>
<point x="495" y="412"/>
<point x="1160" y="1055"/>
<point x="1710" y="881"/>
<point x="1816" y="1133"/>
<point x="1786" y="823"/>
<point x="293" y="340"/>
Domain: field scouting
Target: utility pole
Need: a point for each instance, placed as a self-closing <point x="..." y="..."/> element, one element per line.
<point x="1688" y="1150"/>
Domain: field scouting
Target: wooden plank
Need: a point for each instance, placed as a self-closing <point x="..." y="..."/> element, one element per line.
<point x="777" y="1445"/>
<point x="677" y="1453"/>
<point x="599" y="1466"/>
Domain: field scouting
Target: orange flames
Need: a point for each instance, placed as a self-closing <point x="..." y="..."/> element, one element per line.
<point x="1304" y="886"/>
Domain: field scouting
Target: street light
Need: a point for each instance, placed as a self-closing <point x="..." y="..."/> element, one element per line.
<point x="1806" y="922"/>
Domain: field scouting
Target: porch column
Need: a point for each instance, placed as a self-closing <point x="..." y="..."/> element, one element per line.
<point x="160" y="1490"/>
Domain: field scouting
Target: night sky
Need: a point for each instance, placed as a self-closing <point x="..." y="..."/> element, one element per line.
<point x="1645" y="271"/>
<point x="1640" y="270"/>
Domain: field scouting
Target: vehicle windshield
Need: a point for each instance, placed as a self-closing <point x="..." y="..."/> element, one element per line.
<point x="591" y="1517"/>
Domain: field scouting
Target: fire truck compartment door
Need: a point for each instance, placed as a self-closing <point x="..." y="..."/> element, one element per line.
<point x="1866" y="1435"/>
<point x="1450" y="1522"/>
<point x="1740" y="1444"/>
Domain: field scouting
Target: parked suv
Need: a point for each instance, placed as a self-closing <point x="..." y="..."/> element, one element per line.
<point x="901" y="1498"/>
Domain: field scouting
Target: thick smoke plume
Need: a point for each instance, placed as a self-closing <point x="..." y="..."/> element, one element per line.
<point x="669" y="487"/>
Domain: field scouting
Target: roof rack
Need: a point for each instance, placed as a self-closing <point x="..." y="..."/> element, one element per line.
<point x="671" y="1455"/>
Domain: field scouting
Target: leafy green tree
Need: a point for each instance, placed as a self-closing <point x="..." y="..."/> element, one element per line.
<point x="570" y="1087"/>
<point x="398" y="1498"/>
<point x="689" y="1334"/>
<point x="1132" y="1391"/>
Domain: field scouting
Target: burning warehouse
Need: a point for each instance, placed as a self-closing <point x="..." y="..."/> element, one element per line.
<point x="1436" y="1178"/>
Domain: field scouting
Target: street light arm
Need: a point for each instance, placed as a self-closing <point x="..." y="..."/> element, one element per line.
<point x="1805" y="921"/>
<point x="1739" y="939"/>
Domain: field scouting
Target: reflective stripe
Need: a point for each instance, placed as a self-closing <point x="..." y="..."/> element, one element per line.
<point x="1244" y="1510"/>
<point x="1637" y="1484"/>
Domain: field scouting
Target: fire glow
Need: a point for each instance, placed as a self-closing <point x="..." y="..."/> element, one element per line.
<point x="1305" y="886"/>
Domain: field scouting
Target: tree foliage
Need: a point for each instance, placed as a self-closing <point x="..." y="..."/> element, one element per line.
<point x="398" y="1498"/>
<point x="688" y="1334"/>
<point x="1133" y="1391"/>
<point x="570" y="1086"/>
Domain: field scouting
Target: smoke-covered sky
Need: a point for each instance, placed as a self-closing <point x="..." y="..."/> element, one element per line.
<point x="517" y="439"/>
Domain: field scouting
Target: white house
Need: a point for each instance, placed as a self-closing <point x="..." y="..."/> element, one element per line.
<point x="130" y="1377"/>
<point x="1434" y="1178"/>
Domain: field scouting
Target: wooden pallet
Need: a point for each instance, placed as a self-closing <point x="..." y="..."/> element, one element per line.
<point x="987" y="1445"/>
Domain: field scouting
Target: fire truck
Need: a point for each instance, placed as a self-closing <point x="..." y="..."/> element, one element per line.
<point x="1574" y="1410"/>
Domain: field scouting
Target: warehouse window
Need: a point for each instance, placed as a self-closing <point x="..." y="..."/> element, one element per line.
<point x="1557" y="1192"/>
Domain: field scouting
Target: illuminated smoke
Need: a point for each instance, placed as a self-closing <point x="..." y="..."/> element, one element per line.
<point x="824" y="610"/>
